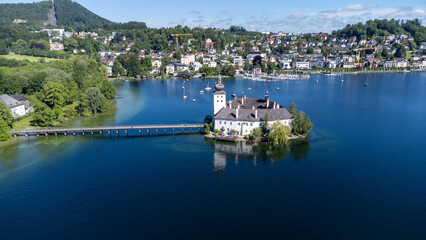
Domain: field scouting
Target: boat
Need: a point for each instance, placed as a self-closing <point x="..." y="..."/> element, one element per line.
<point x="208" y="87"/>
<point x="249" y="89"/>
<point x="316" y="81"/>
<point x="341" y="80"/>
<point x="278" y="88"/>
<point x="365" y="84"/>
<point x="184" y="96"/>
<point x="201" y="92"/>
<point x="193" y="100"/>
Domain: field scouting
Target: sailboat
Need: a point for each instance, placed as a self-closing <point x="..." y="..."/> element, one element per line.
<point x="208" y="87"/>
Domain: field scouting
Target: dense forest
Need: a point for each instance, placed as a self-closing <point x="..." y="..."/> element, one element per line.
<point x="69" y="13"/>
<point x="377" y="27"/>
<point x="33" y="13"/>
<point x="60" y="89"/>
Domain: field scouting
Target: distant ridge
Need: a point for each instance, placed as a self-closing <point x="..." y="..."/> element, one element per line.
<point x="59" y="12"/>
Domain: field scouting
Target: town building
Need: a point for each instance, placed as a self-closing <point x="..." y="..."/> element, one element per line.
<point x="18" y="104"/>
<point x="243" y="115"/>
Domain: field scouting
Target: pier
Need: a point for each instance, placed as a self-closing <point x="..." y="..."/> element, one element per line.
<point x="113" y="130"/>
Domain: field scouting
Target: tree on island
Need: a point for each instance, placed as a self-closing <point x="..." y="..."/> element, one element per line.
<point x="208" y="123"/>
<point x="278" y="133"/>
<point x="265" y="124"/>
<point x="292" y="109"/>
<point x="302" y="124"/>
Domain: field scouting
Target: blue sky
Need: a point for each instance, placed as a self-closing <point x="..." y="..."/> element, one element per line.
<point x="260" y="15"/>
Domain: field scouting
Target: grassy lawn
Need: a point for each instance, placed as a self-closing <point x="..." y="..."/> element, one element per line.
<point x="23" y="123"/>
<point x="29" y="58"/>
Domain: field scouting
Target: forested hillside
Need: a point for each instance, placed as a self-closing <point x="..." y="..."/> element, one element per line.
<point x="71" y="13"/>
<point x="33" y="13"/>
<point x="384" y="27"/>
<point x="68" y="13"/>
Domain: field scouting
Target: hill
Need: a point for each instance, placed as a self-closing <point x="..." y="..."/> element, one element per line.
<point x="384" y="27"/>
<point x="31" y="13"/>
<point x="68" y="13"/>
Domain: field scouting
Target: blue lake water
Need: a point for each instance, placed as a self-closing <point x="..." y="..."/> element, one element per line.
<point x="362" y="175"/>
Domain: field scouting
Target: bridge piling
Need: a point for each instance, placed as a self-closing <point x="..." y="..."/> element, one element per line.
<point x="125" y="131"/>
<point x="156" y="130"/>
<point x="82" y="132"/>
<point x="91" y="132"/>
<point x="56" y="134"/>
<point x="109" y="132"/>
<point x="38" y="135"/>
<point x="165" y="131"/>
<point x="65" y="133"/>
<point x="147" y="131"/>
<point x="140" y="132"/>
<point x="45" y="134"/>
<point x="117" y="132"/>
<point x="74" y="133"/>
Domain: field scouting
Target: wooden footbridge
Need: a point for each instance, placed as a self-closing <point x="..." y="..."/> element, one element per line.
<point x="113" y="130"/>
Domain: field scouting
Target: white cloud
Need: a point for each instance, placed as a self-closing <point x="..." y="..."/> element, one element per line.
<point x="296" y="16"/>
<point x="356" y="7"/>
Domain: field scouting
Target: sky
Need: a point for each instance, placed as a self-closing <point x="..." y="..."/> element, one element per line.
<point x="261" y="15"/>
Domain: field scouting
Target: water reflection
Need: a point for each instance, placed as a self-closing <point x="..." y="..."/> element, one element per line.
<point x="255" y="152"/>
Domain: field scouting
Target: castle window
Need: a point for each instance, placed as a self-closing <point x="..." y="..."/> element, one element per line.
<point x="251" y="124"/>
<point x="238" y="124"/>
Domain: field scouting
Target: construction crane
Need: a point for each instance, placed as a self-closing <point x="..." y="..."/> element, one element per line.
<point x="359" y="52"/>
<point x="180" y="34"/>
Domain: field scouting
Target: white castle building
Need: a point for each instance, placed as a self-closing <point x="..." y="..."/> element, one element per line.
<point x="245" y="114"/>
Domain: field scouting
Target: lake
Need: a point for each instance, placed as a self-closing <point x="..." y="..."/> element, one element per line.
<point x="361" y="175"/>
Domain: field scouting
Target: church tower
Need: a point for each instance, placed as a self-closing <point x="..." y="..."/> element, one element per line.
<point x="219" y="96"/>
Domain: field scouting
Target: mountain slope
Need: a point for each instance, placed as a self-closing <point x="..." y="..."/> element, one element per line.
<point x="31" y="13"/>
<point x="69" y="13"/>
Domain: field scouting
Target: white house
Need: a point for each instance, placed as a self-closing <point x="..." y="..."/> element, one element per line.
<point x="170" y="69"/>
<point x="244" y="114"/>
<point x="18" y="107"/>
<point x="300" y="65"/>
<point x="196" y="66"/>
<point x="212" y="64"/>
<point x="156" y="63"/>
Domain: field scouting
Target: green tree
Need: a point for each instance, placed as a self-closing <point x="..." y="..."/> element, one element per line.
<point x="4" y="131"/>
<point x="6" y="114"/>
<point x="265" y="124"/>
<point x="257" y="133"/>
<point x="385" y="52"/>
<point x="95" y="99"/>
<point x="292" y="109"/>
<point x="401" y="52"/>
<point x="36" y="82"/>
<point x="278" y="133"/>
<point x="81" y="104"/>
<point x="108" y="89"/>
<point x="43" y="115"/>
<point x="117" y="69"/>
<point x="53" y="94"/>
<point x="302" y="124"/>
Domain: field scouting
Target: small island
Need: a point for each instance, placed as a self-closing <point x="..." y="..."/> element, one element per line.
<point x="247" y="119"/>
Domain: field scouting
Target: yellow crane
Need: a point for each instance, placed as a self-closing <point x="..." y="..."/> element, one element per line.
<point x="359" y="52"/>
<point x="180" y="34"/>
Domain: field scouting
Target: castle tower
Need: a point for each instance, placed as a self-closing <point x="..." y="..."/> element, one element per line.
<point x="219" y="96"/>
